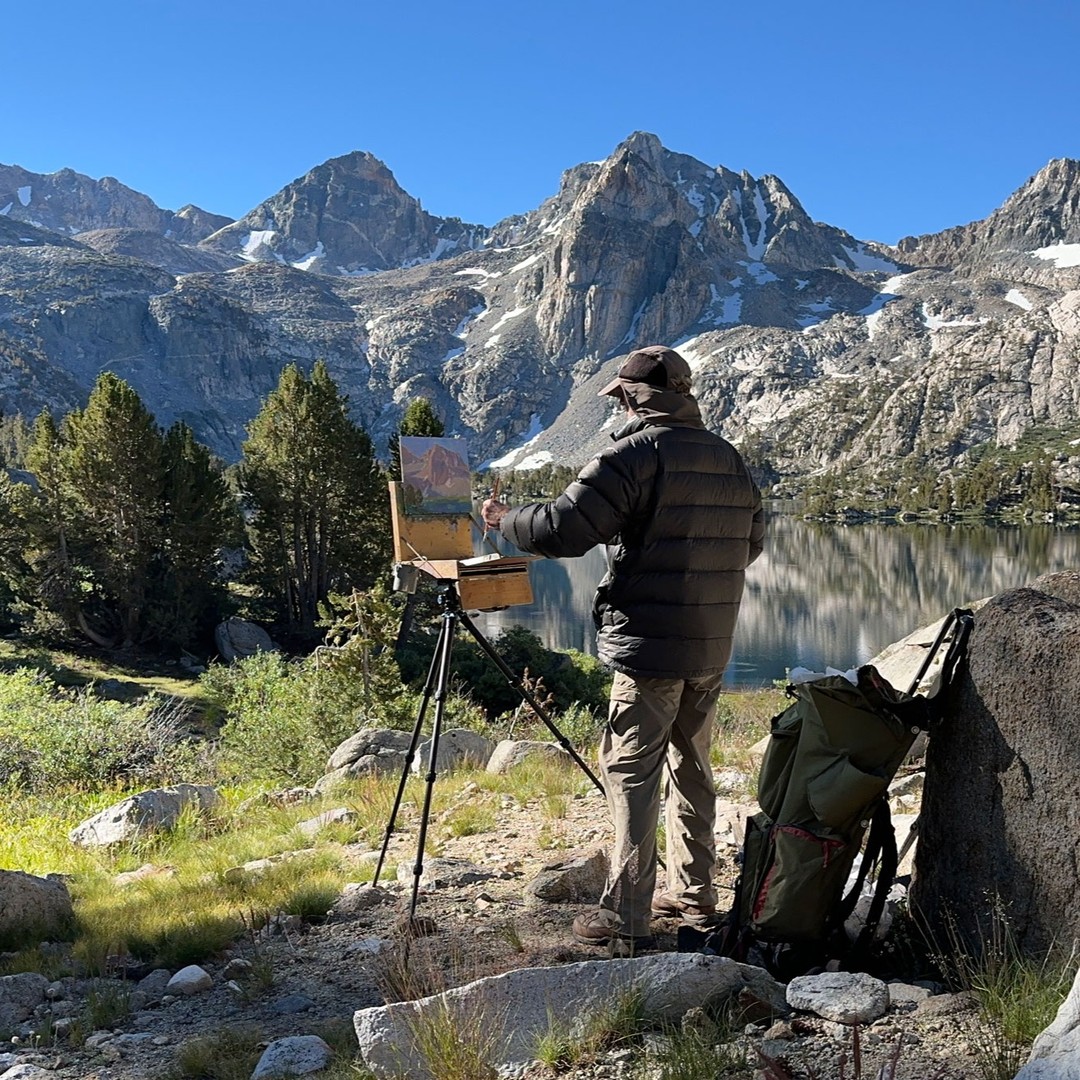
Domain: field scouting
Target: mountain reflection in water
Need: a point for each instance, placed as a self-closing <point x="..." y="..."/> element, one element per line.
<point x="823" y="593"/>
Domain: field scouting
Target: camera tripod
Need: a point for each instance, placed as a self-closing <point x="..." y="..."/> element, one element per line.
<point x="436" y="686"/>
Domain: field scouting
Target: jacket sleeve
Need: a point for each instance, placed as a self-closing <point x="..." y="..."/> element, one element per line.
<point x="593" y="510"/>
<point x="757" y="527"/>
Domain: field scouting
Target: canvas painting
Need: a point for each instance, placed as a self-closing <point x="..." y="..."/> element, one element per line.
<point x="436" y="476"/>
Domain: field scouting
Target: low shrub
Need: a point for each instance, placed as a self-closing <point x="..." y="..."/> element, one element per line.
<point x="52" y="738"/>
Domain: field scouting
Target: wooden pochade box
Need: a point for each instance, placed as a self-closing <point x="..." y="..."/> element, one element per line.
<point x="442" y="547"/>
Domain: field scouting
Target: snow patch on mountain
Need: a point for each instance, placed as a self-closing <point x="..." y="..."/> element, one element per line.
<point x="534" y="431"/>
<point x="865" y="260"/>
<point x="1015" y="296"/>
<point x="255" y="240"/>
<point x="938" y="322"/>
<point x="308" y="260"/>
<point x="1062" y="255"/>
<point x="23" y="195"/>
<point x="525" y="262"/>
<point x="507" y="316"/>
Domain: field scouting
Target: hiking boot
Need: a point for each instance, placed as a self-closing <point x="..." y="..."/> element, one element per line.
<point x="666" y="906"/>
<point x="600" y="927"/>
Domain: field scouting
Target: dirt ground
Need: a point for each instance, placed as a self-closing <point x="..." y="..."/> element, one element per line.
<point x="311" y="978"/>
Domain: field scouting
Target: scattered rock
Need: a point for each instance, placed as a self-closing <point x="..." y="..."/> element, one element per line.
<point x="356" y="898"/>
<point x="20" y="995"/>
<point x="237" y="969"/>
<point x="189" y="980"/>
<point x="513" y="1007"/>
<point x="577" y="880"/>
<point x="237" y="638"/>
<point x="905" y="994"/>
<point x="147" y="870"/>
<point x="371" y="749"/>
<point x="512" y="752"/>
<point x="445" y="873"/>
<point x="26" y="1071"/>
<point x="33" y="906"/>
<point x="313" y="826"/>
<point x="458" y="748"/>
<point x="147" y="812"/>
<point x="291" y="1003"/>
<point x="846" y="997"/>
<point x="154" y="985"/>
<point x="947" y="1004"/>
<point x="297" y="1055"/>
<point x="1056" y="1052"/>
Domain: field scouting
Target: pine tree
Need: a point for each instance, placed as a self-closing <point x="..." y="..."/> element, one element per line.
<point x="50" y="521"/>
<point x="199" y="517"/>
<point x="14" y="571"/>
<point x="112" y="471"/>
<point x="319" y="510"/>
<point x="419" y="420"/>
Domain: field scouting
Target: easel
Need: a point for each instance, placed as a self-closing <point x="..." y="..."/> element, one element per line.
<point x="441" y="547"/>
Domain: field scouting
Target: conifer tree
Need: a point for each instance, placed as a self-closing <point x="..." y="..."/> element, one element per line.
<point x="14" y="571"/>
<point x="419" y="420"/>
<point x="51" y="530"/>
<point x="319" y="510"/>
<point x="112" y="470"/>
<point x="199" y="516"/>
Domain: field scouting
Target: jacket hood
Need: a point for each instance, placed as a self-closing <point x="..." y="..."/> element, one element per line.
<point x="657" y="405"/>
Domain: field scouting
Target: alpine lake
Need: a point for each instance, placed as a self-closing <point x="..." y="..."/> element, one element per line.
<point x="823" y="593"/>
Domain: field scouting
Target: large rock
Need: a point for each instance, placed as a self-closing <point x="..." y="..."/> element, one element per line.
<point x="20" y="995"/>
<point x="1055" y="1054"/>
<point x="237" y="638"/>
<point x="580" y="879"/>
<point x="999" y="817"/>
<point x="33" y="907"/>
<point x="370" y="750"/>
<point x="147" y="812"/>
<point x="508" y="1013"/>
<point x="512" y="752"/>
<point x="845" y="997"/>
<point x="458" y="748"/>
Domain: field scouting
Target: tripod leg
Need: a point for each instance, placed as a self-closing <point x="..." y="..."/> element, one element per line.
<point x="524" y="691"/>
<point x="446" y="641"/>
<point x="418" y="727"/>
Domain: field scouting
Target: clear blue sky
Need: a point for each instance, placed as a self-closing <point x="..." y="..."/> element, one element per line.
<point x="883" y="118"/>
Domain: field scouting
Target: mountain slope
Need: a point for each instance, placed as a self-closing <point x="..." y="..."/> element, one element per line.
<point x="820" y="350"/>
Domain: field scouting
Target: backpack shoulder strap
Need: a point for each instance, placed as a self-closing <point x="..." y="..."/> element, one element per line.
<point x="881" y="849"/>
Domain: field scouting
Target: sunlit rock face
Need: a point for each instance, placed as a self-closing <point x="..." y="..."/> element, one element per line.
<point x="823" y="350"/>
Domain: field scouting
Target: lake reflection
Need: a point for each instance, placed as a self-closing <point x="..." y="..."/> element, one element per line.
<point x="824" y="593"/>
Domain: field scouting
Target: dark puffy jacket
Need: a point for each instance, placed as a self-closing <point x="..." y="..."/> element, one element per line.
<point x="684" y="519"/>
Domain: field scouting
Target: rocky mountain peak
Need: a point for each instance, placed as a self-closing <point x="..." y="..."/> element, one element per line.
<point x="346" y="216"/>
<point x="1043" y="212"/>
<point x="68" y="202"/>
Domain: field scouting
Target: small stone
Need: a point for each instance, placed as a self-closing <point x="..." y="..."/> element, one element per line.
<point x="190" y="980"/>
<point x="780" y="1030"/>
<point x="292" y="1003"/>
<point x="237" y="969"/>
<point x="845" y="997"/>
<point x="296" y="1055"/>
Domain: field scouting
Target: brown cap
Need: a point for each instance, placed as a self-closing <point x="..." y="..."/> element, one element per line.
<point x="656" y="365"/>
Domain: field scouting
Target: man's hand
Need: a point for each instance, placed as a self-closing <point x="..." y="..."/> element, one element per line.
<point x="493" y="512"/>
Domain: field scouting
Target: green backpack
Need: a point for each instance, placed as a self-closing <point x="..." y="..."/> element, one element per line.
<point x="822" y="790"/>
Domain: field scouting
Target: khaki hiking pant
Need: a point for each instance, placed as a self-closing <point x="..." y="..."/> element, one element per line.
<point x="657" y="740"/>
